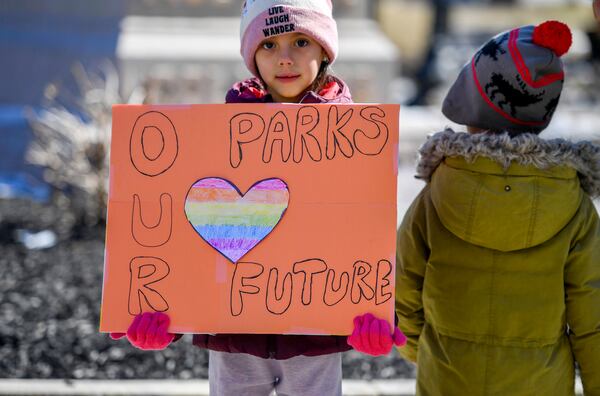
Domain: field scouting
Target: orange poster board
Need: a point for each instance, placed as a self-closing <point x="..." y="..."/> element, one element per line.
<point x="251" y="218"/>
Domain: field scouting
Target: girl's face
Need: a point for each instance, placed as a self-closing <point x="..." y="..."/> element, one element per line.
<point x="288" y="64"/>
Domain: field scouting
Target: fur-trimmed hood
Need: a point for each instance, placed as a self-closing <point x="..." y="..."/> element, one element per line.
<point x="525" y="149"/>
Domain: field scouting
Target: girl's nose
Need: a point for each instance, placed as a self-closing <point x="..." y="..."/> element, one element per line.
<point x="285" y="59"/>
<point x="285" y="62"/>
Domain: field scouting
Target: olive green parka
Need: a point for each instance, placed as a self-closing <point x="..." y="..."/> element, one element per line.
<point x="498" y="266"/>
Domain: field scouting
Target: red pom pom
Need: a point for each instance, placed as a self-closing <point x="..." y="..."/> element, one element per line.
<point x="553" y="35"/>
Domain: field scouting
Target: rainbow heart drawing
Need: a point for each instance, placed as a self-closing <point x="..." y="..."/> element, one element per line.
<point x="231" y="222"/>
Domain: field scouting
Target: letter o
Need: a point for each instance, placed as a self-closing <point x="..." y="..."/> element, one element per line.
<point x="164" y="160"/>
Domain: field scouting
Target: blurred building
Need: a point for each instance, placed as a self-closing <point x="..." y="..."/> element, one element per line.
<point x="39" y="41"/>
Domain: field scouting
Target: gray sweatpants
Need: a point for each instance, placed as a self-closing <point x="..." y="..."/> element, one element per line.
<point x="240" y="374"/>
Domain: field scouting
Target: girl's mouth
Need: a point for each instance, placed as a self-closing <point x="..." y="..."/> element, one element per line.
<point x="286" y="78"/>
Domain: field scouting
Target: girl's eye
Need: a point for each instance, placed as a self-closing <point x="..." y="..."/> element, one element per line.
<point x="302" y="43"/>
<point x="268" y="45"/>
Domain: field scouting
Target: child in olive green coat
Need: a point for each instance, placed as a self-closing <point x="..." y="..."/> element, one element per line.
<point x="498" y="258"/>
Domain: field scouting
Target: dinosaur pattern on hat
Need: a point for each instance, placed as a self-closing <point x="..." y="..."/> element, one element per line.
<point x="512" y="97"/>
<point x="492" y="49"/>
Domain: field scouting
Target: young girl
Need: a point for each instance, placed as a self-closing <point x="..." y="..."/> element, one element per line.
<point x="288" y="45"/>
<point x="498" y="258"/>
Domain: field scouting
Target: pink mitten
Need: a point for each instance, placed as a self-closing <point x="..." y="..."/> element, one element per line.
<point x="117" y="336"/>
<point x="148" y="331"/>
<point x="373" y="336"/>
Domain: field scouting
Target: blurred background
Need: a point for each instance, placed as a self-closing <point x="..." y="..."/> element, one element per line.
<point x="63" y="63"/>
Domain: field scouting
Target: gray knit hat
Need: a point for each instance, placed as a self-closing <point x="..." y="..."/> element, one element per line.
<point x="513" y="82"/>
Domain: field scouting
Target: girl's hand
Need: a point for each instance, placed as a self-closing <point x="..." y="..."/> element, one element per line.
<point x="148" y="331"/>
<point x="374" y="336"/>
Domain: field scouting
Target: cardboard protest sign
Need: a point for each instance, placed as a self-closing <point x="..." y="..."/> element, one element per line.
<point x="251" y="218"/>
